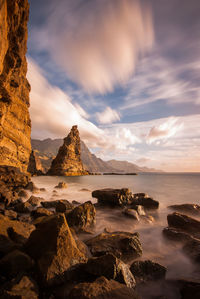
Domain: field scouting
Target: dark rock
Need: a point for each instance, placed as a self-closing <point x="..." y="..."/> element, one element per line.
<point x="102" y="288"/>
<point x="140" y="195"/>
<point x="74" y="202"/>
<point x="23" y="207"/>
<point x="192" y="249"/>
<point x="176" y="235"/>
<point x="113" y="197"/>
<point x="22" y="287"/>
<point x="32" y="187"/>
<point x="35" y="166"/>
<point x="6" y="195"/>
<point x="10" y="214"/>
<point x="190" y="289"/>
<point x="82" y="217"/>
<point x="54" y="249"/>
<point x="147" y="270"/>
<point x="61" y="185"/>
<point x="123" y="245"/>
<point x="192" y="209"/>
<point x="184" y="223"/>
<point x="13" y="178"/>
<point x="40" y="212"/>
<point x="15" y="262"/>
<point x="49" y="204"/>
<point x="131" y="213"/>
<point x="146" y="202"/>
<point x="42" y="189"/>
<point x="110" y="267"/>
<point x="23" y="194"/>
<point x="34" y="200"/>
<point x="63" y="205"/>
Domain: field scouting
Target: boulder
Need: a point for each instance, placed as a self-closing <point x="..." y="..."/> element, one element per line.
<point x="113" y="197"/>
<point x="49" y="204"/>
<point x="123" y="245"/>
<point x="32" y="187"/>
<point x="82" y="217"/>
<point x="176" y="235"/>
<point x="10" y="214"/>
<point x="147" y="270"/>
<point x="23" y="207"/>
<point x="15" y="262"/>
<point x="23" y="287"/>
<point x="131" y="213"/>
<point x="146" y="202"/>
<point x="63" y="205"/>
<point x="40" y="212"/>
<point x="35" y="201"/>
<point x="61" y="185"/>
<point x="54" y="249"/>
<point x="192" y="209"/>
<point x="110" y="267"/>
<point x="140" y="210"/>
<point x="102" y="288"/>
<point x="23" y="193"/>
<point x="190" y="289"/>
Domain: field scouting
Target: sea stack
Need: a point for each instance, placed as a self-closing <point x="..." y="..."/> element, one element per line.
<point x="68" y="160"/>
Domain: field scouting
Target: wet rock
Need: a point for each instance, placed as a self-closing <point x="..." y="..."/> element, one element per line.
<point x="61" y="185"/>
<point x="113" y="197"/>
<point x="147" y="270"/>
<point x="140" y="195"/>
<point x="32" y="187"/>
<point x="176" y="235"/>
<point x="63" y="205"/>
<point x="102" y="288"/>
<point x="53" y="248"/>
<point x="192" y="250"/>
<point x="40" y="212"/>
<point x="147" y="219"/>
<point x="34" y="200"/>
<point x="190" y="289"/>
<point x="74" y="202"/>
<point x="13" y="234"/>
<point x="112" y="268"/>
<point x="192" y="209"/>
<point x="82" y="217"/>
<point x="23" y="207"/>
<point x="123" y="245"/>
<point x="23" y="194"/>
<point x="146" y="202"/>
<point x="131" y="213"/>
<point x="49" y="204"/>
<point x="23" y="287"/>
<point x="140" y="210"/>
<point x="43" y="190"/>
<point x="184" y="223"/>
<point x="15" y="262"/>
<point x="10" y="214"/>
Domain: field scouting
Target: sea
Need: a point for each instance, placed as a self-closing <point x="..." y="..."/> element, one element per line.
<point x="167" y="188"/>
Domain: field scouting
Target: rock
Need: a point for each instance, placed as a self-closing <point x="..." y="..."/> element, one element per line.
<point x="190" y="289"/>
<point x="176" y="235"/>
<point x="49" y="204"/>
<point x="23" y="207"/>
<point x="146" y="202"/>
<point x="10" y="214"/>
<point x="13" y="234"/>
<point x="15" y="124"/>
<point x="140" y="210"/>
<point x="63" y="205"/>
<point x="74" y="202"/>
<point x="23" y="194"/>
<point x="68" y="160"/>
<point x="2" y="207"/>
<point x="35" y="166"/>
<point x="15" y="262"/>
<point x="110" y="267"/>
<point x="192" y="209"/>
<point x="82" y="217"/>
<point x="147" y="219"/>
<point x="131" y="213"/>
<point x="32" y="187"/>
<point x="43" y="190"/>
<point x="61" y="185"/>
<point x="7" y="196"/>
<point x="192" y="249"/>
<point x="35" y="201"/>
<point x="54" y="249"/>
<point x="140" y="195"/>
<point x="184" y="223"/>
<point x="23" y="287"/>
<point x="123" y="245"/>
<point x="113" y="197"/>
<point x="102" y="288"/>
<point x="147" y="270"/>
<point x="40" y="212"/>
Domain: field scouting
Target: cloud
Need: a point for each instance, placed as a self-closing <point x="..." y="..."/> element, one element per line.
<point x="107" y="116"/>
<point x="143" y="160"/>
<point x="97" y="42"/>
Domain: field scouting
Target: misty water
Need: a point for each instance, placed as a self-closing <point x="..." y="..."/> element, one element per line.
<point x="168" y="189"/>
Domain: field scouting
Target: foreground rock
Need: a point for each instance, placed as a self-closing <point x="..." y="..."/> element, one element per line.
<point x="23" y="207"/>
<point x="142" y="199"/>
<point x="123" y="245"/>
<point x="147" y="270"/>
<point x="192" y="209"/>
<point x="176" y="235"/>
<point x="102" y="288"/>
<point x="68" y="160"/>
<point x="113" y="197"/>
<point x="190" y="289"/>
<point x="63" y="206"/>
<point x="40" y="212"/>
<point x="82" y="217"/>
<point x="54" y="249"/>
<point x="35" y="201"/>
<point x="131" y="213"/>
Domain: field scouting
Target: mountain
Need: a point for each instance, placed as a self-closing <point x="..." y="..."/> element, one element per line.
<point x="47" y="149"/>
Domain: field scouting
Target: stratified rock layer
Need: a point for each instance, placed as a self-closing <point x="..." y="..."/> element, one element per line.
<point x="68" y="160"/>
<point x="15" y="125"/>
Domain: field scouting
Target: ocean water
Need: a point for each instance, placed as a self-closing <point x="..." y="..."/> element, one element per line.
<point x="168" y="189"/>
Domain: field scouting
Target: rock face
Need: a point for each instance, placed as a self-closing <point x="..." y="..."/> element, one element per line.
<point x="35" y="166"/>
<point x="15" y="124"/>
<point x="68" y="160"/>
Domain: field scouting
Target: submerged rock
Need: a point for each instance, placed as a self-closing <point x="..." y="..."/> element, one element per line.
<point x="82" y="217"/>
<point x="54" y="249"/>
<point x="61" y="185"/>
<point x="113" y="197"/>
<point x="147" y="270"/>
<point x="123" y="245"/>
<point x="102" y="288"/>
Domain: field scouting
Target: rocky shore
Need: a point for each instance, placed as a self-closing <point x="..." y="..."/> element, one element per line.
<point x="50" y="249"/>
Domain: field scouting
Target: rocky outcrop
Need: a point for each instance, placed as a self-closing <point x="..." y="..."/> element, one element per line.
<point x="35" y="166"/>
<point x="113" y="197"/>
<point x="68" y="160"/>
<point x="15" y="124"/>
<point x="192" y="209"/>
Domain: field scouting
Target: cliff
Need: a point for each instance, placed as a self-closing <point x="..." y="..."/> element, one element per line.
<point x="15" y="124"/>
<point x="68" y="160"/>
<point x="35" y="166"/>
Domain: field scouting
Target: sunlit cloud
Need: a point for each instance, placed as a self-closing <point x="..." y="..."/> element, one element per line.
<point x="108" y="116"/>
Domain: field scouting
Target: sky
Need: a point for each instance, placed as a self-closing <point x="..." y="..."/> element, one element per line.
<point x="127" y="72"/>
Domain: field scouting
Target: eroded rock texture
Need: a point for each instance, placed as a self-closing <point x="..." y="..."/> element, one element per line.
<point x="35" y="166"/>
<point x="15" y="125"/>
<point x="68" y="160"/>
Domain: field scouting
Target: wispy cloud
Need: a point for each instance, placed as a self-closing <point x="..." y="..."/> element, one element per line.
<point x="107" y="116"/>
